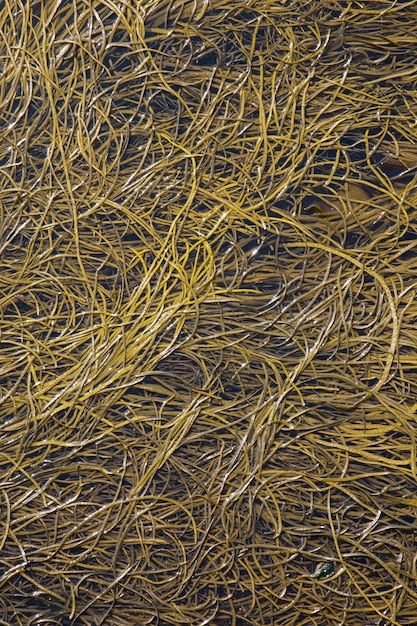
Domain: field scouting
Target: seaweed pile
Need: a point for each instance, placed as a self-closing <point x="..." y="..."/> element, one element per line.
<point x="208" y="369"/>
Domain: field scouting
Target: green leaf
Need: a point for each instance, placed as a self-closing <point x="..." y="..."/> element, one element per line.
<point x="323" y="571"/>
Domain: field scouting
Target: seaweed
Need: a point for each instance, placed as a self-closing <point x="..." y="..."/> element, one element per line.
<point x="208" y="387"/>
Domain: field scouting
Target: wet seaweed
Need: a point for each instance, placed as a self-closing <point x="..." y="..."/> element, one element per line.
<point x="208" y="387"/>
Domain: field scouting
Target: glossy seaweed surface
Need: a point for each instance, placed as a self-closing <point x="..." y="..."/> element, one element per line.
<point x="208" y="315"/>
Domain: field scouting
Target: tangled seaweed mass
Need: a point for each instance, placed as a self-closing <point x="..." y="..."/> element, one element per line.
<point x="208" y="369"/>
